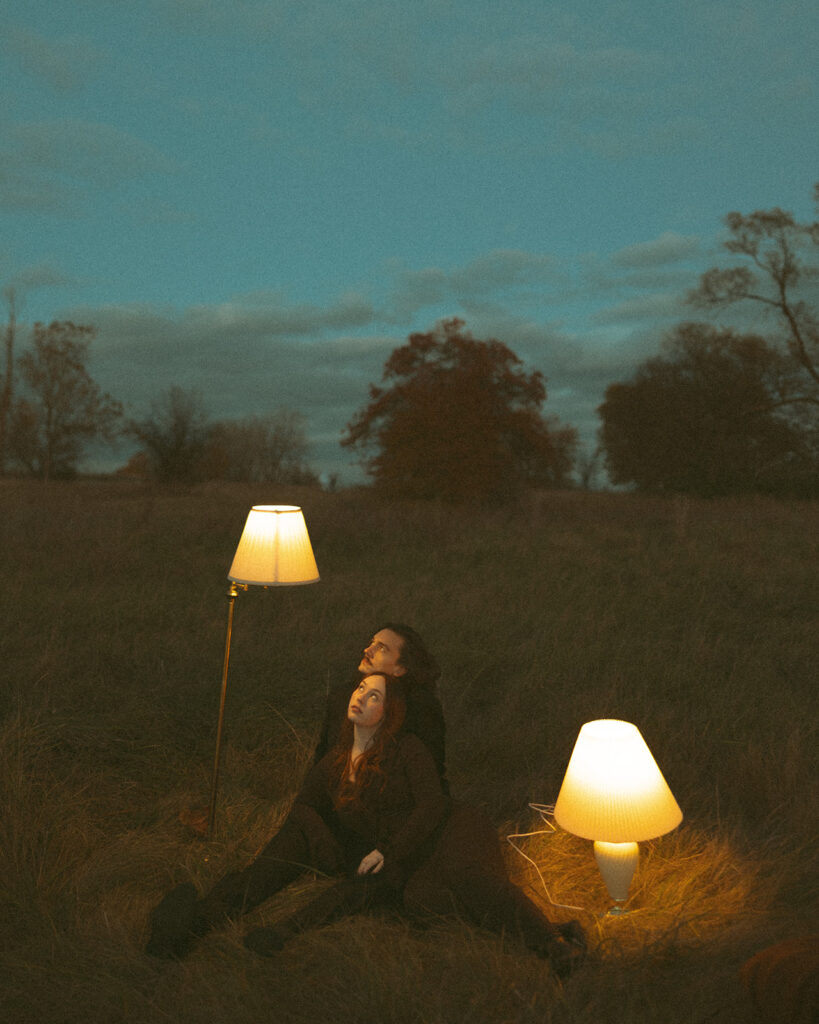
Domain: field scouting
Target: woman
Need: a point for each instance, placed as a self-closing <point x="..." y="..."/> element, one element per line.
<point x="376" y="803"/>
<point x="400" y="841"/>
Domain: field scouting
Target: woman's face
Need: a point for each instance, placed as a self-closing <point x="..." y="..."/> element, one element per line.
<point x="366" y="707"/>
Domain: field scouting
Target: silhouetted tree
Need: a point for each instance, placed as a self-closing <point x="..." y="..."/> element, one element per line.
<point x="459" y="419"/>
<point x="180" y="444"/>
<point x="174" y="436"/>
<point x="701" y="418"/>
<point x="7" y="393"/>
<point x="260" y="449"/>
<point x="63" y="408"/>
<point x="772" y="277"/>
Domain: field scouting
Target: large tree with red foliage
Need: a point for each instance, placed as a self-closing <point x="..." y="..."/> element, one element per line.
<point x="459" y="419"/>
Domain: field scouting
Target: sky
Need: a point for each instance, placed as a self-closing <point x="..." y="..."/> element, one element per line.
<point x="260" y="200"/>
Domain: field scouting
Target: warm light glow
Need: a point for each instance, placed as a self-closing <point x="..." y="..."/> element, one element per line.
<point x="274" y="549"/>
<point x="613" y="790"/>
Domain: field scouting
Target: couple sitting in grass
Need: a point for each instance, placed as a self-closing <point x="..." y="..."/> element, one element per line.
<point x="375" y="810"/>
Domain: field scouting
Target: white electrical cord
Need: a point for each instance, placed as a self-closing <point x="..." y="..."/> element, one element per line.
<point x="543" y="810"/>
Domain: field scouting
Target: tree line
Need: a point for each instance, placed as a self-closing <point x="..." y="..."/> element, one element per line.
<point x="717" y="411"/>
<point x="45" y="429"/>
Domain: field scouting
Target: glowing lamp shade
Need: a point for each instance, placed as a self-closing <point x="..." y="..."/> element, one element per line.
<point x="274" y="549"/>
<point x="614" y="793"/>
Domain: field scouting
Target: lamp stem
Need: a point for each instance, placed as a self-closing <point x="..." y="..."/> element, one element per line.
<point x="232" y="593"/>
<point x="617" y="863"/>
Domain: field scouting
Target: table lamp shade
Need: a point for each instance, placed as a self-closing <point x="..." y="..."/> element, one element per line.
<point x="613" y="790"/>
<point x="274" y="549"/>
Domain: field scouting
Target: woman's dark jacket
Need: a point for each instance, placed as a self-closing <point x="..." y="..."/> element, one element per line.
<point x="398" y="812"/>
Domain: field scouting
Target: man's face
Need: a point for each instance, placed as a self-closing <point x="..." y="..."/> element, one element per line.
<point x="366" y="707"/>
<point x="382" y="654"/>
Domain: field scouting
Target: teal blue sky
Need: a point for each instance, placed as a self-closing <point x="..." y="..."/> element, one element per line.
<point x="260" y="200"/>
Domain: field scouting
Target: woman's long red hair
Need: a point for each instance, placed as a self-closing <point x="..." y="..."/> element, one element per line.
<point x="369" y="767"/>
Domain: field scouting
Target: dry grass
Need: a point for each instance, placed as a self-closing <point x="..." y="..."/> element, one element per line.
<point x="696" y="620"/>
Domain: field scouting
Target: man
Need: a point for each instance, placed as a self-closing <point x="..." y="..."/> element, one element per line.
<point x="181" y="918"/>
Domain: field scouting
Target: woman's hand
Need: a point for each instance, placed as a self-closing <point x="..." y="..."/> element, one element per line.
<point x="372" y="863"/>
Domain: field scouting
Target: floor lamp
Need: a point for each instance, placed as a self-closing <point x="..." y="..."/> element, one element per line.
<point x="274" y="551"/>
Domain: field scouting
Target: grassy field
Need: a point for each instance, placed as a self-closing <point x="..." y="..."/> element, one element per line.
<point x="695" y="620"/>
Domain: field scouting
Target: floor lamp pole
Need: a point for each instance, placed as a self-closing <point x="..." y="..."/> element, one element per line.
<point x="232" y="593"/>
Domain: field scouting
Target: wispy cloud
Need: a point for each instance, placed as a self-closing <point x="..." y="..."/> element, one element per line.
<point x="66" y="63"/>
<point x="57" y="164"/>
<point x="549" y="75"/>
<point x="43" y="275"/>
<point x="497" y="273"/>
<point x="657" y="309"/>
<point x="669" y="247"/>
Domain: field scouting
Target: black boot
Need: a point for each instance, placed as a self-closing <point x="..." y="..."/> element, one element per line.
<point x="175" y="924"/>
<point x="182" y="918"/>
<point x="566" y="950"/>
<point x="573" y="933"/>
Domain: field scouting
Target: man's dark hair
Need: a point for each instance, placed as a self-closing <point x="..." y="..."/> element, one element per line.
<point x="420" y="665"/>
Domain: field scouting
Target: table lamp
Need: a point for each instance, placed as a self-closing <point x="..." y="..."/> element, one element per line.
<point x="614" y="794"/>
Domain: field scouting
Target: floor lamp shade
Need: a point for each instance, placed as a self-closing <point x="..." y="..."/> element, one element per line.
<point x="613" y="791"/>
<point x="274" y="549"/>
